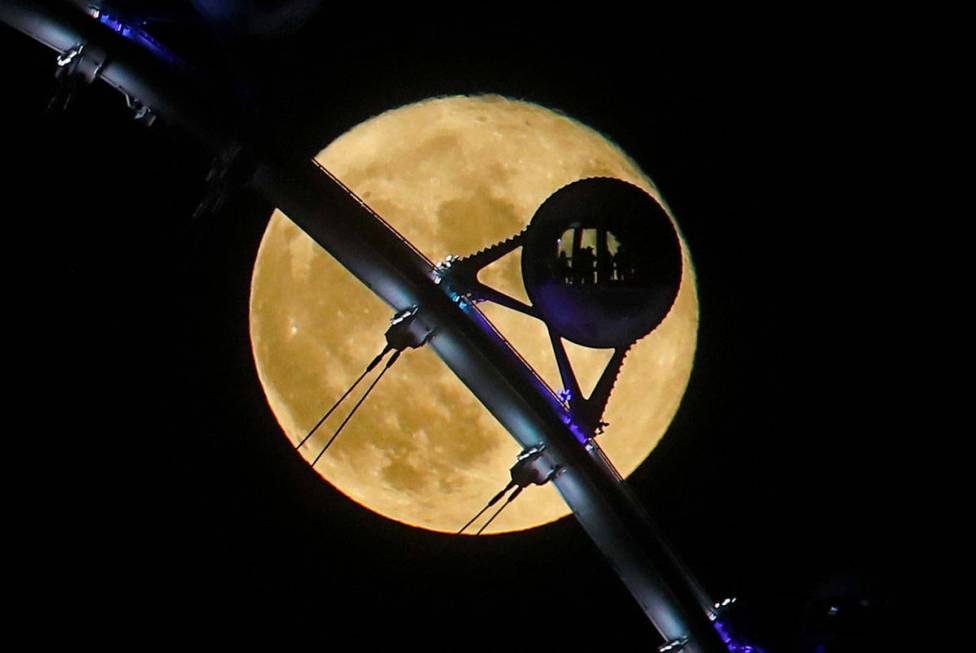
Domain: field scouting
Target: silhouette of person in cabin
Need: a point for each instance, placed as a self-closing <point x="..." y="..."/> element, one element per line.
<point x="584" y="261"/>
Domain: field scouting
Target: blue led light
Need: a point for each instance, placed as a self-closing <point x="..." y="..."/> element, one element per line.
<point x="733" y="644"/>
<point x="138" y="36"/>
<point x="578" y="433"/>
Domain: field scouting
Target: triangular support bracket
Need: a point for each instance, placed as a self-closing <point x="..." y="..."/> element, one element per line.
<point x="460" y="276"/>
<point x="587" y="412"/>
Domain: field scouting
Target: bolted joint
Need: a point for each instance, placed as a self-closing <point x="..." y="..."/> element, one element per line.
<point x="77" y="68"/>
<point x="407" y="330"/>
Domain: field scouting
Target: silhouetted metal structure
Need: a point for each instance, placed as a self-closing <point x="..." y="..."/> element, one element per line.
<point x="559" y="430"/>
<point x="601" y="263"/>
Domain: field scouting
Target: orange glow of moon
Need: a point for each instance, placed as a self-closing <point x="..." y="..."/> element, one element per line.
<point x="453" y="175"/>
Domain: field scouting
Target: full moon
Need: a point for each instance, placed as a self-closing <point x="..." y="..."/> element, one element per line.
<point x="453" y="175"/>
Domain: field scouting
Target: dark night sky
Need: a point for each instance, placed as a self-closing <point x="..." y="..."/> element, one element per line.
<point x="781" y="477"/>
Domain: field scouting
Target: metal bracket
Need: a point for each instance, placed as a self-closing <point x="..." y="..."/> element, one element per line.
<point x="587" y="412"/>
<point x="531" y="468"/>
<point x="460" y="275"/>
<point x="406" y="330"/>
<point x="140" y="112"/>
<point x="674" y="645"/>
<point x="77" y="67"/>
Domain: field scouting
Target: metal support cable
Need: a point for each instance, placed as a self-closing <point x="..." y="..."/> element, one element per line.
<point x="511" y="498"/>
<point x="345" y="394"/>
<point x="359" y="403"/>
<point x="488" y="505"/>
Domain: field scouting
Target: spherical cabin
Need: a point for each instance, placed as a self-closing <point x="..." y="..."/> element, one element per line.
<point x="601" y="262"/>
